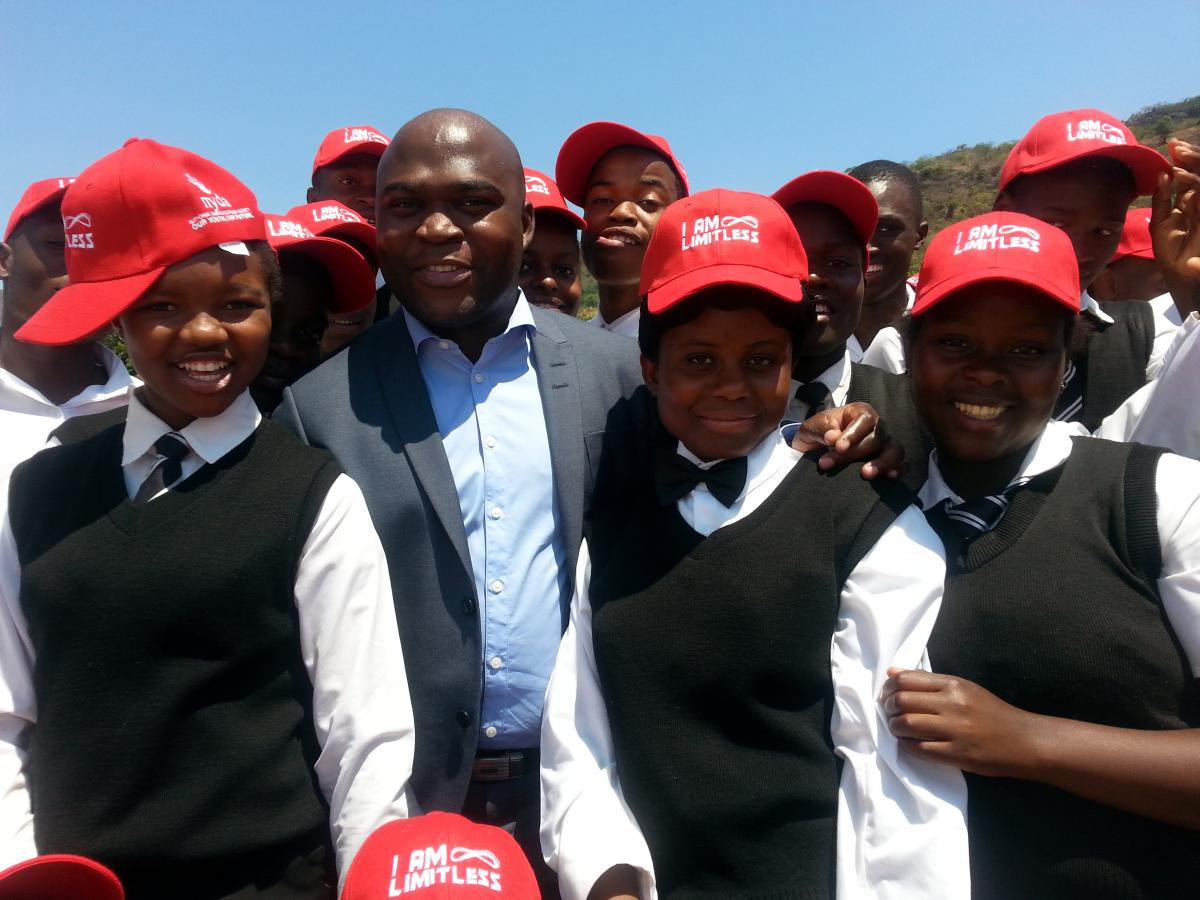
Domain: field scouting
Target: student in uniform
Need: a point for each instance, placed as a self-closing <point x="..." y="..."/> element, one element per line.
<point x="836" y="218"/>
<point x="1068" y="642"/>
<point x="200" y="681"/>
<point x="717" y="673"/>
<point x="322" y="277"/>
<point x="40" y="387"/>
<point x="623" y="180"/>
<point x="899" y="232"/>
<point x="551" y="271"/>
<point x="344" y="170"/>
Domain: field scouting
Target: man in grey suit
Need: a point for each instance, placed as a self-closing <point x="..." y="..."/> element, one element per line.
<point x="472" y="422"/>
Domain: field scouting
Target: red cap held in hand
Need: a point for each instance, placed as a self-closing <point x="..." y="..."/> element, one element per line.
<point x="846" y="194"/>
<point x="583" y="149"/>
<point x="351" y="139"/>
<point x="543" y="193"/>
<point x="60" y="877"/>
<point x="128" y="217"/>
<point x="1135" y="236"/>
<point x="722" y="237"/>
<point x="999" y="247"/>
<point x="439" y="855"/>
<point x="36" y="196"/>
<point x="353" y="278"/>
<point x="1077" y="133"/>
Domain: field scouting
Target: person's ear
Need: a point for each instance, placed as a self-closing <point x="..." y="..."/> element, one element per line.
<point x="309" y="196"/>
<point x="5" y="260"/>
<point x="922" y="233"/>
<point x="527" y="225"/>
<point x="650" y="374"/>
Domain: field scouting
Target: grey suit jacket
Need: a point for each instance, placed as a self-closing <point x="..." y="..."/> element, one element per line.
<point x="369" y="406"/>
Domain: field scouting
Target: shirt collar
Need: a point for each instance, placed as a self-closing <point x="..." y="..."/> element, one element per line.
<point x="24" y="395"/>
<point x="209" y="438"/>
<point x="1051" y="448"/>
<point x="836" y="378"/>
<point x="761" y="462"/>
<point x="521" y="317"/>
<point x="1089" y="306"/>
<point x="619" y="320"/>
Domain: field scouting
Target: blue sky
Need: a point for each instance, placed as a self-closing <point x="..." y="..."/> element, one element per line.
<point x="750" y="94"/>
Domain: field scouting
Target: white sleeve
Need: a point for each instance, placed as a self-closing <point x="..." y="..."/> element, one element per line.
<point x="1178" y="490"/>
<point x="1163" y="413"/>
<point x="361" y="706"/>
<point x="1164" y="334"/>
<point x="18" y="707"/>
<point x="901" y="829"/>
<point x="886" y="352"/>
<point x="587" y="828"/>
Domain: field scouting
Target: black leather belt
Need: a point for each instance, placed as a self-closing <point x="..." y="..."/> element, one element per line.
<point x="504" y="765"/>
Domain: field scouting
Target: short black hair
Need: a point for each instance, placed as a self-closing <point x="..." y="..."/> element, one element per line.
<point x="887" y="170"/>
<point x="795" y="317"/>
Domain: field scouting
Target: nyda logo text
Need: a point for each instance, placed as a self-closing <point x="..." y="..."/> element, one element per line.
<point x="714" y="229"/>
<point x="443" y="865"/>
<point x="998" y="237"/>
<point x="1095" y="130"/>
<point x="75" y="237"/>
<point x="208" y="200"/>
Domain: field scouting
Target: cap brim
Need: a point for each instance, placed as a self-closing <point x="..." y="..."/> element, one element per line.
<point x="20" y="216"/>
<point x="60" y="875"/>
<point x="81" y="309"/>
<point x="1145" y="163"/>
<point x="665" y="296"/>
<point x="562" y="212"/>
<point x="844" y="193"/>
<point x="582" y="150"/>
<point x="932" y="296"/>
<point x="353" y="280"/>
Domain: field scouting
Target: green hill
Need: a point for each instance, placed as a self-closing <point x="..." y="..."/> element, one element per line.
<point x="962" y="182"/>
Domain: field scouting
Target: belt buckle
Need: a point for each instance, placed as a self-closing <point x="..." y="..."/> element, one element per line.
<point x="499" y="768"/>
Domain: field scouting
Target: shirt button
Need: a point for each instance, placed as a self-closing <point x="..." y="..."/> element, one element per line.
<point x="478" y="378"/>
<point x="495" y="512"/>
<point x="496" y="586"/>
<point x="491" y="731"/>
<point x="495" y="662"/>
<point x="463" y="717"/>
<point x="490" y="441"/>
<point x="445" y="345"/>
<point x="469" y="606"/>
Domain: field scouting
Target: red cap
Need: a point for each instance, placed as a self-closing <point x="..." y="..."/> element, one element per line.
<point x="439" y="855"/>
<point x="543" y="193"/>
<point x="353" y="279"/>
<point x="723" y="237"/>
<point x="583" y="149"/>
<point x="333" y="219"/>
<point x="999" y="246"/>
<point x="1135" y="236"/>
<point x="37" y="195"/>
<point x="1067" y="136"/>
<point x="351" y="139"/>
<point x="59" y="877"/>
<point x="846" y="194"/>
<point x="127" y="218"/>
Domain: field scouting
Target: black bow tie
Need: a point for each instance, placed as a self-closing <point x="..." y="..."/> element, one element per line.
<point x="813" y="395"/>
<point x="676" y="477"/>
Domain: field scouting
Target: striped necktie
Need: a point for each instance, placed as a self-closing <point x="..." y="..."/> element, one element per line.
<point x="1069" y="405"/>
<point x="171" y="449"/>
<point x="958" y="524"/>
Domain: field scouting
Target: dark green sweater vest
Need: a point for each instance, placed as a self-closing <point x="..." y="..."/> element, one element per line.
<point x="713" y="654"/>
<point x="174" y="734"/>
<point x="1057" y="612"/>
<point x="1113" y="366"/>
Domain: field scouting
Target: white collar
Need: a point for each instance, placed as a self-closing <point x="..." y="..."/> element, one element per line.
<point x="1088" y="305"/>
<point x="836" y="378"/>
<point x="1051" y="448"/>
<point x="18" y="395"/>
<point x="619" y="320"/>
<point x="210" y="438"/>
<point x="521" y="317"/>
<point x="761" y="463"/>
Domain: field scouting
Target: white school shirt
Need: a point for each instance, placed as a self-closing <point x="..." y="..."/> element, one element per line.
<point x="1177" y="486"/>
<point x="625" y="325"/>
<point x="836" y="378"/>
<point x="887" y="350"/>
<point x="1164" y="305"/>
<point x="348" y="637"/>
<point x="901" y="828"/>
<point x="27" y="417"/>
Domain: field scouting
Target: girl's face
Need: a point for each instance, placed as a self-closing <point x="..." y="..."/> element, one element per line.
<point x="987" y="367"/>
<point x="199" y="335"/>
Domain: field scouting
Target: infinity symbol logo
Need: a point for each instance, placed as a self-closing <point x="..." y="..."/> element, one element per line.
<point x="83" y="219"/>
<point x="1019" y="229"/>
<point x="730" y="221"/>
<point x="462" y="854"/>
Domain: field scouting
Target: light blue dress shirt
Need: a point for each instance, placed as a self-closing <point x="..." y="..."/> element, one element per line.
<point x="494" y="430"/>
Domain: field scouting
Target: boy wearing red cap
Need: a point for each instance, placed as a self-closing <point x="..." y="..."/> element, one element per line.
<point x="42" y="386"/>
<point x="551" y="273"/>
<point x="1132" y="274"/>
<point x="713" y="673"/>
<point x="623" y="180"/>
<point x="1067" y="646"/>
<point x="322" y="277"/>
<point x="200" y="679"/>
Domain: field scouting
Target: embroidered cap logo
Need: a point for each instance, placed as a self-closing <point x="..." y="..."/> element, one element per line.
<point x="75" y="239"/>
<point x="714" y="229"/>
<point x="998" y="237"/>
<point x="536" y="185"/>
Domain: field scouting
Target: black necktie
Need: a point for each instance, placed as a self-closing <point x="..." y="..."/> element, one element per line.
<point x="171" y="449"/>
<point x="1070" y="399"/>
<point x="676" y="477"/>
<point x="814" y="394"/>
<point x="957" y="524"/>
